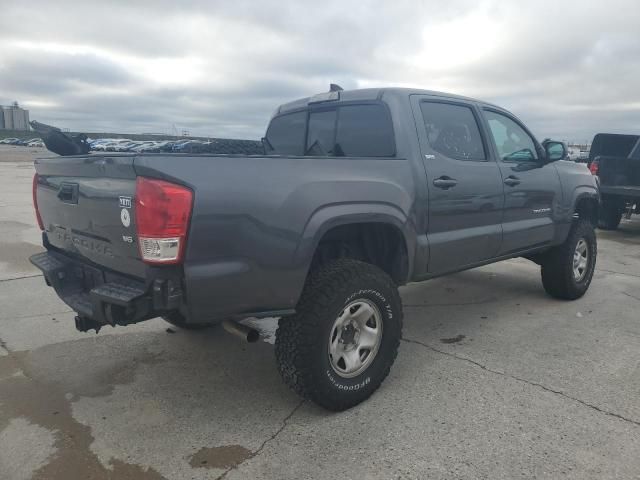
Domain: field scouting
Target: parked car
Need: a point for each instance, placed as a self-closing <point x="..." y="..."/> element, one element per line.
<point x="583" y="156"/>
<point x="180" y="145"/>
<point x="359" y="192"/>
<point x="8" y="141"/>
<point x="615" y="160"/>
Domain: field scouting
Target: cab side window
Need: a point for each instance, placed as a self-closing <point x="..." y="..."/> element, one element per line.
<point x="364" y="131"/>
<point x="512" y="142"/>
<point x="351" y="130"/>
<point x="452" y="130"/>
<point x="321" y="136"/>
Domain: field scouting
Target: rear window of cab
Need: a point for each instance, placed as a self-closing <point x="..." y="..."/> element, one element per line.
<point x="349" y="130"/>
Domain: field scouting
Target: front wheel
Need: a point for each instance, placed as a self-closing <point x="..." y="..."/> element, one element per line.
<point x="567" y="269"/>
<point x="340" y="345"/>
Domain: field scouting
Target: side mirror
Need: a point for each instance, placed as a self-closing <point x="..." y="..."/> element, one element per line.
<point x="554" y="150"/>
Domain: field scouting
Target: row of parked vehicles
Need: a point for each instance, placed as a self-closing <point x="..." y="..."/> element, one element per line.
<point x="32" y="142"/>
<point x="127" y="145"/>
<point x="175" y="146"/>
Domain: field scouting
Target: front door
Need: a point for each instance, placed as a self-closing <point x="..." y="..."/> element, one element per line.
<point x="532" y="186"/>
<point x="466" y="194"/>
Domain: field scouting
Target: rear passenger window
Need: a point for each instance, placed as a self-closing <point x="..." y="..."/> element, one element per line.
<point x="452" y="130"/>
<point x="321" y="134"/>
<point x="286" y="134"/>
<point x="364" y="131"/>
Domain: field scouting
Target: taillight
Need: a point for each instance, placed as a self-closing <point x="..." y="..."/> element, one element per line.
<point x="162" y="210"/>
<point x="34" y="193"/>
<point x="594" y="167"/>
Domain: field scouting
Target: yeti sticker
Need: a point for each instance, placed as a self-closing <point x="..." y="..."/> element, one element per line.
<point x="125" y="217"/>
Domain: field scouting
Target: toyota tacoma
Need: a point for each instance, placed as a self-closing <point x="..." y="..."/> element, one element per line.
<point x="357" y="193"/>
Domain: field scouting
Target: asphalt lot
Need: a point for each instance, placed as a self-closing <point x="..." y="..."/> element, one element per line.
<point x="494" y="380"/>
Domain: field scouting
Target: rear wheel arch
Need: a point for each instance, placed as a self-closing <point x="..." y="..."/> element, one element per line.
<point x="382" y="238"/>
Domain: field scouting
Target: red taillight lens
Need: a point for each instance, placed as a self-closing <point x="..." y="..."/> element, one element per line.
<point x="34" y="193"/>
<point x="162" y="211"/>
<point x="594" y="167"/>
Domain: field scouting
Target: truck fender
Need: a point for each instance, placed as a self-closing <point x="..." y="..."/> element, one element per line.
<point x="585" y="192"/>
<point x="330" y="216"/>
<point x="579" y="194"/>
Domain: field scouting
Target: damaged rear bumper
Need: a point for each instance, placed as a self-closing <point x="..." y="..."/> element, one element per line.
<point x="101" y="297"/>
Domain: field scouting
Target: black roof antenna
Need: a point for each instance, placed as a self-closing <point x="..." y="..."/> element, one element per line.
<point x="334" y="87"/>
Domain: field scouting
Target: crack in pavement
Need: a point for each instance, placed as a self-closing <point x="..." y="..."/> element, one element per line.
<point x="619" y="273"/>
<point x="19" y="278"/>
<point x="632" y="296"/>
<point x="36" y="315"/>
<point x="524" y="380"/>
<point x="264" y="444"/>
<point x="454" y="304"/>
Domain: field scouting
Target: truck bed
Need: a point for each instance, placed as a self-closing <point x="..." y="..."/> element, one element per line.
<point x="253" y="224"/>
<point x="622" y="190"/>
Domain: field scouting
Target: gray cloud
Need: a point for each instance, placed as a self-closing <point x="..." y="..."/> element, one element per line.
<point x="220" y="68"/>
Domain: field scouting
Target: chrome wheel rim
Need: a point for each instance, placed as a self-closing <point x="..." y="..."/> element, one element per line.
<point x="580" y="260"/>
<point x="355" y="338"/>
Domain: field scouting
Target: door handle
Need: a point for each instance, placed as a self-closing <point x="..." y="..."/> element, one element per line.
<point x="512" y="181"/>
<point x="445" y="182"/>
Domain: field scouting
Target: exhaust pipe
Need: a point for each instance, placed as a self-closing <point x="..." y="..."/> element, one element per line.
<point x="248" y="334"/>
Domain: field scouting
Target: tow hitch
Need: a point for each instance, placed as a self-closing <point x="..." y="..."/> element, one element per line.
<point x="84" y="324"/>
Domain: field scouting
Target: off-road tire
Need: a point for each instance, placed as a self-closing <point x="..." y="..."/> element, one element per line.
<point x="557" y="264"/>
<point x="302" y="339"/>
<point x="610" y="215"/>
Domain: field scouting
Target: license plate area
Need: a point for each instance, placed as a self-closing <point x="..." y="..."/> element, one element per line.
<point x="88" y="277"/>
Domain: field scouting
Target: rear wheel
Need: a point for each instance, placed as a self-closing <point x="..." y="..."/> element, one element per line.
<point x="567" y="269"/>
<point x="340" y="345"/>
<point x="610" y="214"/>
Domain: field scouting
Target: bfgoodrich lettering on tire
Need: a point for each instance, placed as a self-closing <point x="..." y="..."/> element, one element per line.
<point x="340" y="345"/>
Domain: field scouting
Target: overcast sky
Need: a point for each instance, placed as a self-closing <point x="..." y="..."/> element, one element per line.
<point x="568" y="68"/>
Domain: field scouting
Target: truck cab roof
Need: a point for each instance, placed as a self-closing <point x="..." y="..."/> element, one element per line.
<point x="369" y="94"/>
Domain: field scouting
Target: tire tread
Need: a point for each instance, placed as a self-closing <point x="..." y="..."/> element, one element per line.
<point x="297" y="340"/>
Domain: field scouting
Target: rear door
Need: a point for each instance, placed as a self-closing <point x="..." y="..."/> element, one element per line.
<point x="466" y="195"/>
<point x="86" y="205"/>
<point x="532" y="186"/>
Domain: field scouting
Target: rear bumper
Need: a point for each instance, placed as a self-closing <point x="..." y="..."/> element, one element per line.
<point x="102" y="296"/>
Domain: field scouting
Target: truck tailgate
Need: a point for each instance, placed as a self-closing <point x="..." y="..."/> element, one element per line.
<point x="86" y="205"/>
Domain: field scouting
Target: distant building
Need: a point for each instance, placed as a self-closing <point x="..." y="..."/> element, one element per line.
<point x="14" y="118"/>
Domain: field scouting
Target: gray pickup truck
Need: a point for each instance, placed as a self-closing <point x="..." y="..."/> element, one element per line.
<point x="358" y="192"/>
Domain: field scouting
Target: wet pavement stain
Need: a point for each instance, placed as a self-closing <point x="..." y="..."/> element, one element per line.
<point x="225" y="457"/>
<point x="16" y="254"/>
<point x="455" y="339"/>
<point x="45" y="404"/>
